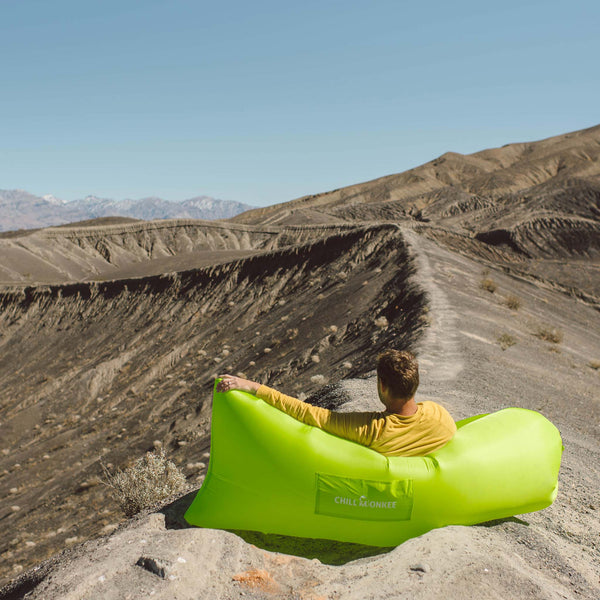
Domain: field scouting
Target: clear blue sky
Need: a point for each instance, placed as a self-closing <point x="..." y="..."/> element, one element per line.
<point x="266" y="101"/>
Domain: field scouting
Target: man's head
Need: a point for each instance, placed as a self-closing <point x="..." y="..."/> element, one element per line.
<point x="398" y="376"/>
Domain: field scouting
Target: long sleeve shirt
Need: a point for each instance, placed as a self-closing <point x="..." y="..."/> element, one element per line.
<point x="430" y="428"/>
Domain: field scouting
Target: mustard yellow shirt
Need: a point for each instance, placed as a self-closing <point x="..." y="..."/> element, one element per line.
<point x="430" y="428"/>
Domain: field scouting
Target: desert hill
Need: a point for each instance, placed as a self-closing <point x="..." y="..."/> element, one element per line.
<point x="100" y="251"/>
<point x="112" y="332"/>
<point x="486" y="175"/>
<point x="532" y="207"/>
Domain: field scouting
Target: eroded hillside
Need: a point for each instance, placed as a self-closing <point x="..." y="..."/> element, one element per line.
<point x="118" y="251"/>
<point x="101" y="371"/>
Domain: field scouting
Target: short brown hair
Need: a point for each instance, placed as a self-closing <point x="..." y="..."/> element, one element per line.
<point x="399" y="371"/>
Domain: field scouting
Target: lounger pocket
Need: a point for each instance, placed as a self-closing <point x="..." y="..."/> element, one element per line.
<point x="364" y="499"/>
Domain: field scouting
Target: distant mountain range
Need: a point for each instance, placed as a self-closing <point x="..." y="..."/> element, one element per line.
<point x="21" y="210"/>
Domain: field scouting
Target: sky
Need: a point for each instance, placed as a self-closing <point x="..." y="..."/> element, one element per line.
<point x="266" y="101"/>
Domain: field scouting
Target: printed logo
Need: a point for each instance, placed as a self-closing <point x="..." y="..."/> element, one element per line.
<point x="364" y="502"/>
<point x="363" y="499"/>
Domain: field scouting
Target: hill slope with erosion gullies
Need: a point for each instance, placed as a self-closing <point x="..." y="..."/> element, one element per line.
<point x="100" y="371"/>
<point x="532" y="207"/>
<point x="123" y="250"/>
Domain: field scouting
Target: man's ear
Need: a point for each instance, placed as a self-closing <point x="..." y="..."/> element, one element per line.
<point x="382" y="387"/>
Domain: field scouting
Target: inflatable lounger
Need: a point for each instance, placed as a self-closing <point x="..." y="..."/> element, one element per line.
<point x="273" y="474"/>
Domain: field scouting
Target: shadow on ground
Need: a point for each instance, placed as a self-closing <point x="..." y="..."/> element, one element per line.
<point x="328" y="552"/>
<point x="496" y="522"/>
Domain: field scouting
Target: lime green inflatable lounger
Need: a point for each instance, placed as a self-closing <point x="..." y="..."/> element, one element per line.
<point x="273" y="474"/>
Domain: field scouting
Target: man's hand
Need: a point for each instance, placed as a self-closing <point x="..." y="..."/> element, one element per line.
<point x="230" y="382"/>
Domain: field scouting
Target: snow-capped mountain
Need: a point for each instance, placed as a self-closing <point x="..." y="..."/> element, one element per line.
<point x="200" y="207"/>
<point x="53" y="199"/>
<point x="21" y="210"/>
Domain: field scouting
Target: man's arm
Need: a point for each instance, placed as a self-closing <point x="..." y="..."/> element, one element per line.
<point x="231" y="382"/>
<point x="356" y="427"/>
<point x="301" y="411"/>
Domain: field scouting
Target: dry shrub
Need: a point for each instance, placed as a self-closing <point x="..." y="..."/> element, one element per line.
<point x="549" y="334"/>
<point x="489" y="285"/>
<point x="506" y="341"/>
<point x="594" y="364"/>
<point x="151" y="480"/>
<point x="513" y="302"/>
<point x="381" y="322"/>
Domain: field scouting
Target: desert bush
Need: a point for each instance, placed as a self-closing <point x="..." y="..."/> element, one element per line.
<point x="594" y="364"/>
<point x="549" y="334"/>
<point x="506" y="341"/>
<point x="151" y="480"/>
<point x="513" y="302"/>
<point x="381" y="322"/>
<point x="488" y="284"/>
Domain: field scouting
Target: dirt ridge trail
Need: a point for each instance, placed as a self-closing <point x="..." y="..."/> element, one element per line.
<point x="439" y="353"/>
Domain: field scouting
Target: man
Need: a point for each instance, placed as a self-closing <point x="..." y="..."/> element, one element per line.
<point x="405" y="428"/>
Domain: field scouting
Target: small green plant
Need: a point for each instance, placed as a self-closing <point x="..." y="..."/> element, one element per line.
<point x="513" y="302"/>
<point x="549" y="334"/>
<point x="488" y="284"/>
<point x="148" y="482"/>
<point x="506" y="341"/>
